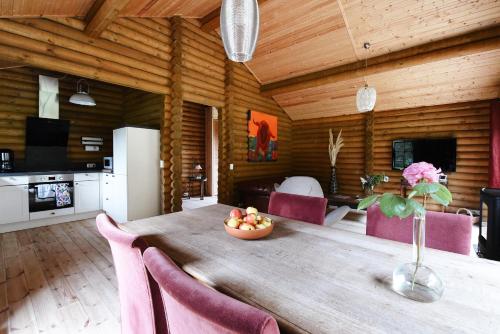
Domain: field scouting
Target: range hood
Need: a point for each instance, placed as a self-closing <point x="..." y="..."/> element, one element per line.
<point x="48" y="97"/>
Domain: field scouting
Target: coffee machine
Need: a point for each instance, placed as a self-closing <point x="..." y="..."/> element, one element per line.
<point x="6" y="160"/>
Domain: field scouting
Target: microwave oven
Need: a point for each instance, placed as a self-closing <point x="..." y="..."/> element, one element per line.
<point x="108" y="163"/>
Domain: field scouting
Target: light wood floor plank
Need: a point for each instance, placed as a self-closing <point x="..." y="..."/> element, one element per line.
<point x="101" y="263"/>
<point x="61" y="291"/>
<point x="57" y="279"/>
<point x="21" y="314"/>
<point x="106" y="292"/>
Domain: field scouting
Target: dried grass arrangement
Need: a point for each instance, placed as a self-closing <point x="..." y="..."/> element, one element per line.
<point x="334" y="148"/>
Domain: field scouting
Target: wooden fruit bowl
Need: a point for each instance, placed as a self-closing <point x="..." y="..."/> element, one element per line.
<point x="249" y="235"/>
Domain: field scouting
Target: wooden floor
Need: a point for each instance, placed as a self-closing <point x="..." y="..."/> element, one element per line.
<point x="58" y="279"/>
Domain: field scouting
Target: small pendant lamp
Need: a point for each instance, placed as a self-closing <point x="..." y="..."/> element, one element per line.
<point x="239" y="26"/>
<point x="82" y="97"/>
<point x="366" y="96"/>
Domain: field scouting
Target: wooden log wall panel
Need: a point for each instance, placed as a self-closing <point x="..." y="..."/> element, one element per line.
<point x="19" y="99"/>
<point x="310" y="150"/>
<point x="142" y="108"/>
<point x="246" y="96"/>
<point x="133" y="53"/>
<point x="208" y="79"/>
<point x="203" y="61"/>
<point x="468" y="122"/>
<point x="193" y="143"/>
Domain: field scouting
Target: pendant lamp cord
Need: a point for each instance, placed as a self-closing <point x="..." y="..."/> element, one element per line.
<point x="366" y="46"/>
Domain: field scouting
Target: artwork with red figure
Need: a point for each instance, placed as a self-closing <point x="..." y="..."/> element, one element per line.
<point x="262" y="137"/>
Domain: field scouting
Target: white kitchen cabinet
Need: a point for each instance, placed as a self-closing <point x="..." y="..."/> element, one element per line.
<point x="87" y="196"/>
<point x="14" y="204"/>
<point x="115" y="197"/>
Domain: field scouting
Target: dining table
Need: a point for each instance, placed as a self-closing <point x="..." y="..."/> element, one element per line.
<point x="319" y="279"/>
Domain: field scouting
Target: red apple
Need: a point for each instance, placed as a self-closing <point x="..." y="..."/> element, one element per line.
<point x="250" y="219"/>
<point x="235" y="213"/>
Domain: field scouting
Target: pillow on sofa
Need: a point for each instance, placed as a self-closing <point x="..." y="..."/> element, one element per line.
<point x="300" y="185"/>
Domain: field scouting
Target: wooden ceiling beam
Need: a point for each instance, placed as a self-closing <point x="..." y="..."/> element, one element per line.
<point x="102" y="14"/>
<point x="464" y="45"/>
<point x="211" y="21"/>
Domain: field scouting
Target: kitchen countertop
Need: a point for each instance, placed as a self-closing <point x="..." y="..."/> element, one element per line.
<point x="76" y="171"/>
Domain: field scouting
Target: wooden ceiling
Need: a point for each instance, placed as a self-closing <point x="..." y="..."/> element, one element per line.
<point x="132" y="8"/>
<point x="163" y="8"/>
<point x="34" y="8"/>
<point x="320" y="35"/>
<point x="308" y="37"/>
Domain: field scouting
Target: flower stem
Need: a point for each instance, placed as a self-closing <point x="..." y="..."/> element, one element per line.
<point x="419" y="240"/>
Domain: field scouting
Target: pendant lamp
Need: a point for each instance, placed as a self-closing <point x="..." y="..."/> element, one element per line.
<point x="366" y="96"/>
<point x="82" y="97"/>
<point x="239" y="26"/>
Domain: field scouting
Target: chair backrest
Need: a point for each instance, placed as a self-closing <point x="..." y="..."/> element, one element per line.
<point x="140" y="298"/>
<point x="301" y="185"/>
<point x="445" y="231"/>
<point x="192" y="307"/>
<point x="305" y="208"/>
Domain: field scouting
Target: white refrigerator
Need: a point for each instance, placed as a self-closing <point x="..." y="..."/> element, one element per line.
<point x="132" y="191"/>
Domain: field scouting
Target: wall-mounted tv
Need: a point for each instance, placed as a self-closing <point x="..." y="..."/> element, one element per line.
<point x="441" y="152"/>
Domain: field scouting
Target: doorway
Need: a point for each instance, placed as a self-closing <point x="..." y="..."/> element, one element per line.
<point x="200" y="141"/>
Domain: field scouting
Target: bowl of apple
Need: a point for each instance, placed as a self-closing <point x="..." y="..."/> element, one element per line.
<point x="250" y="226"/>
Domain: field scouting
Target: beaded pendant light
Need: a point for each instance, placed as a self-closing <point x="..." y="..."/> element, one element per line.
<point x="239" y="26"/>
<point x="366" y="96"/>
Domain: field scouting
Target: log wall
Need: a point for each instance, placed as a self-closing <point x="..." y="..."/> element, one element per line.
<point x="208" y="79"/>
<point x="371" y="135"/>
<point x="19" y="99"/>
<point x="310" y="150"/>
<point x="131" y="52"/>
<point x="183" y="64"/>
<point x="246" y="96"/>
<point x="142" y="108"/>
<point x="468" y="122"/>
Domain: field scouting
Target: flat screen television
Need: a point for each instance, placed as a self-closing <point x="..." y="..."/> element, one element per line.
<point x="46" y="143"/>
<point x="441" y="152"/>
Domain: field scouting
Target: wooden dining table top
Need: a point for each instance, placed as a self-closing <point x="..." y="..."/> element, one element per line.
<point x="317" y="279"/>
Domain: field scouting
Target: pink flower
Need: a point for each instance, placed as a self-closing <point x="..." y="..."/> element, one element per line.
<point x="419" y="171"/>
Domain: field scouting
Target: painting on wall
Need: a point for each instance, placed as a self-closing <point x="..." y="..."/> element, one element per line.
<point x="262" y="137"/>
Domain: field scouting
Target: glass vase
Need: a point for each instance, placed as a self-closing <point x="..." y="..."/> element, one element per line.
<point x="415" y="280"/>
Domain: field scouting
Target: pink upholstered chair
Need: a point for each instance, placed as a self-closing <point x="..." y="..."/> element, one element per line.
<point x="192" y="307"/>
<point x="445" y="231"/>
<point x="305" y="208"/>
<point x="140" y="298"/>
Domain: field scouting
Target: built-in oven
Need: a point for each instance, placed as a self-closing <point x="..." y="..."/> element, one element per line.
<point x="50" y="192"/>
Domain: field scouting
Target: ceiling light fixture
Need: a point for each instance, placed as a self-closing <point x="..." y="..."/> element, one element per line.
<point x="82" y="97"/>
<point x="366" y="96"/>
<point x="239" y="26"/>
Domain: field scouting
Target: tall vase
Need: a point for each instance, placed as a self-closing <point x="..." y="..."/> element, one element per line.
<point x="415" y="280"/>
<point x="333" y="181"/>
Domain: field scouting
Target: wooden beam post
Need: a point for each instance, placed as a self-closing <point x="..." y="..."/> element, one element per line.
<point x="465" y="45"/>
<point x="226" y="139"/>
<point x="166" y="155"/>
<point x="102" y="14"/>
<point x="369" y="142"/>
<point x="176" y="123"/>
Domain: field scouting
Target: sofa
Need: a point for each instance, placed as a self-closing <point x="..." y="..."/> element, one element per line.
<point x="256" y="192"/>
